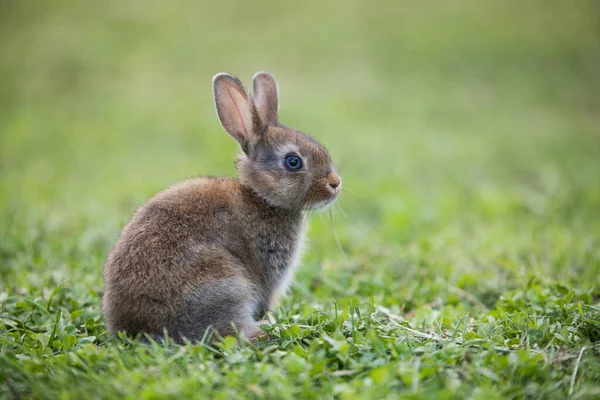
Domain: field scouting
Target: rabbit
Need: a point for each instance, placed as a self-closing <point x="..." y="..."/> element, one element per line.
<point x="213" y="255"/>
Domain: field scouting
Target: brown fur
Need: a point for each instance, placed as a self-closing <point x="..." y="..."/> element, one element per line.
<point x="215" y="252"/>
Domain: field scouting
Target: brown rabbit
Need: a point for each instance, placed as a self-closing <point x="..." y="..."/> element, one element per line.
<point x="217" y="252"/>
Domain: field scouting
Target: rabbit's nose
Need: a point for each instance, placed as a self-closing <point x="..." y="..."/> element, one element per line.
<point x="334" y="180"/>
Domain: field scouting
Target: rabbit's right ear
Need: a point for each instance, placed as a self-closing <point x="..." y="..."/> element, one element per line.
<point x="236" y="110"/>
<point x="266" y="94"/>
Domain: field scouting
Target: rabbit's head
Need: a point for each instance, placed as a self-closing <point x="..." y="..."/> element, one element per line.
<point x="285" y="167"/>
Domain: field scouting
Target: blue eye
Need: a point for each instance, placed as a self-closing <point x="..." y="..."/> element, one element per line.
<point x="292" y="162"/>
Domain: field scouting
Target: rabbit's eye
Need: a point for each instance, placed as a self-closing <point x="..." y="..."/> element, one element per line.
<point x="292" y="162"/>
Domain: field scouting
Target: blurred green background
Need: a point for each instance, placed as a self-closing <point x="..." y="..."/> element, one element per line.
<point x="467" y="132"/>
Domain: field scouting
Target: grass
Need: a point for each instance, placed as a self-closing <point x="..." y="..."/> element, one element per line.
<point x="463" y="260"/>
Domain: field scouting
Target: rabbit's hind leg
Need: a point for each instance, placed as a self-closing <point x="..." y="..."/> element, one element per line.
<point x="226" y="306"/>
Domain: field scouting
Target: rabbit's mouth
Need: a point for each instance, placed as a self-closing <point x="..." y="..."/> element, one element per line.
<point x="323" y="204"/>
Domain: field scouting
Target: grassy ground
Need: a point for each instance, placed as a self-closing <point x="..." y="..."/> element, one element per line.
<point x="465" y="259"/>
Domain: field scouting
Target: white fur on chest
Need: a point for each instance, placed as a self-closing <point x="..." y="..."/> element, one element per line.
<point x="286" y="278"/>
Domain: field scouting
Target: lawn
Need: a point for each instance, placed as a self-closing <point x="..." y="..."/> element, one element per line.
<point x="462" y="260"/>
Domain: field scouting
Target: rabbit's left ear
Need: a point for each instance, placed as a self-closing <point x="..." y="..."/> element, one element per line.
<point x="236" y="110"/>
<point x="266" y="96"/>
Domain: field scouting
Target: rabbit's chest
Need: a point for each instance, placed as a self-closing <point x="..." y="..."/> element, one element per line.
<point x="277" y="245"/>
<point x="279" y="254"/>
<point x="277" y="250"/>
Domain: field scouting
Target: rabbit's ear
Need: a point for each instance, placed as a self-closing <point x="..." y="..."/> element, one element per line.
<point x="236" y="110"/>
<point x="266" y="94"/>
